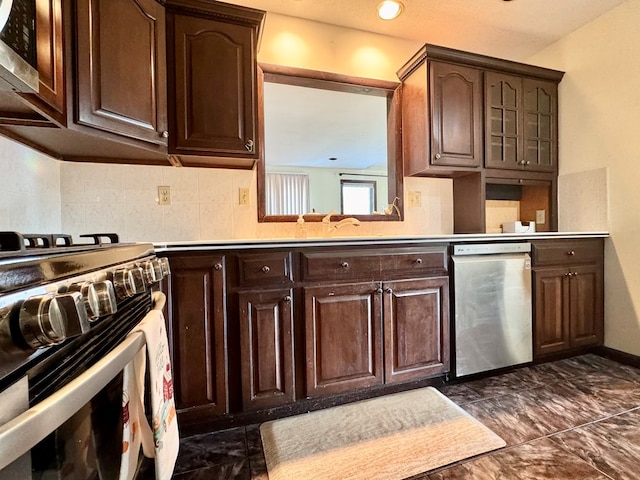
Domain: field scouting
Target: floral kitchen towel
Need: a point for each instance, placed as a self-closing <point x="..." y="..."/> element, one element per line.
<point x="163" y="411"/>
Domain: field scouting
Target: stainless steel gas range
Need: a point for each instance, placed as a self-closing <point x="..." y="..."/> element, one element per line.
<point x="66" y="311"/>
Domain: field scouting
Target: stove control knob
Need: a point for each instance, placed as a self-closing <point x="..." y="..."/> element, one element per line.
<point x="164" y="265"/>
<point x="106" y="295"/>
<point x="123" y="283"/>
<point x="139" y="282"/>
<point x="153" y="271"/>
<point x="42" y="321"/>
<point x="74" y="309"/>
<point x="90" y="297"/>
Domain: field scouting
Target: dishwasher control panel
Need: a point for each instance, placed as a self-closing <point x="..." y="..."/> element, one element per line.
<point x="491" y="248"/>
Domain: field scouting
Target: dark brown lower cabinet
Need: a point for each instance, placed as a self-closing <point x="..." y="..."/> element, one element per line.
<point x="568" y="308"/>
<point x="343" y="331"/>
<point x="266" y="345"/>
<point x="198" y="333"/>
<point x="416" y="328"/>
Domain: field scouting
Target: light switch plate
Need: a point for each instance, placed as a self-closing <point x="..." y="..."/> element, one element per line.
<point x="540" y="217"/>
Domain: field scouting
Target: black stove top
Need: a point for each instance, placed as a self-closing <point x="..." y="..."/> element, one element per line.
<point x="32" y="259"/>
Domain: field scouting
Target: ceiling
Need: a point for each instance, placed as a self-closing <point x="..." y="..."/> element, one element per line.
<point x="509" y="29"/>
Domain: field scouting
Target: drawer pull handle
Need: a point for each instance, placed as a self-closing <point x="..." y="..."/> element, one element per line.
<point x="287" y="299"/>
<point x="265" y="269"/>
<point x="217" y="266"/>
<point x="418" y="261"/>
<point x="389" y="291"/>
<point x="344" y="264"/>
<point x="571" y="253"/>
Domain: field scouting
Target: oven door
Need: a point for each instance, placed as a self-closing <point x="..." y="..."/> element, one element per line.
<point x="76" y="432"/>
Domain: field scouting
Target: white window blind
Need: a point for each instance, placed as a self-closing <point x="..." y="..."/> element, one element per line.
<point x="287" y="193"/>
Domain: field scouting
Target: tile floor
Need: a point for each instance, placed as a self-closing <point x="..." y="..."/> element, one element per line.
<point x="577" y="418"/>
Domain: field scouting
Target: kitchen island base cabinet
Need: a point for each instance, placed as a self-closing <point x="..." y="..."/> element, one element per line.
<point x="416" y="329"/>
<point x="198" y="334"/>
<point x="266" y="344"/>
<point x="343" y="330"/>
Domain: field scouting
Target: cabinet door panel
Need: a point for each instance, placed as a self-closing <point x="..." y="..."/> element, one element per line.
<point x="416" y="328"/>
<point x="198" y="332"/>
<point x="343" y="337"/>
<point x="50" y="53"/>
<point x="122" y="83"/>
<point x="456" y="112"/>
<point x="586" y="305"/>
<point x="540" y="125"/>
<point x="266" y="341"/>
<point x="215" y="106"/>
<point x="552" y="328"/>
<point x="503" y="121"/>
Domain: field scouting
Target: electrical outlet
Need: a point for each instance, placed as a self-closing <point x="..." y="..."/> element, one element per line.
<point x="540" y="217"/>
<point x="244" y="196"/>
<point x="164" y="195"/>
<point x="415" y="199"/>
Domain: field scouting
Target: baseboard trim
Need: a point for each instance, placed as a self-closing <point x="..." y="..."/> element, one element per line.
<point x="618" y="356"/>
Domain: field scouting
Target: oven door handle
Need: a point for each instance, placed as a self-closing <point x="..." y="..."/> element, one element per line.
<point x="22" y="433"/>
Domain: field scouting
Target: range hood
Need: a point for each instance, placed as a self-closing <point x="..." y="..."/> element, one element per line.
<point x="18" y="46"/>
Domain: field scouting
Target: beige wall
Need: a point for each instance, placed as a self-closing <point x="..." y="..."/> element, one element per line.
<point x="295" y="42"/>
<point x="29" y="190"/>
<point x="599" y="129"/>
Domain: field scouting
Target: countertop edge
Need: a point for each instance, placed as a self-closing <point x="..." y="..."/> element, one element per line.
<point x="198" y="246"/>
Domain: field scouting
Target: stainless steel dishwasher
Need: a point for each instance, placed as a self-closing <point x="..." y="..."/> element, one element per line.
<point x="492" y="306"/>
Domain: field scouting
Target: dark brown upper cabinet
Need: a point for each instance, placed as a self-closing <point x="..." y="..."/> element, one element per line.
<point x="121" y="74"/>
<point x="213" y="84"/>
<point x="442" y="118"/>
<point x="50" y="99"/>
<point x="463" y="111"/>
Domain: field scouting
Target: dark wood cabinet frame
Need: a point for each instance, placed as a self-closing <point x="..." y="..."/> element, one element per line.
<point x="343" y="83"/>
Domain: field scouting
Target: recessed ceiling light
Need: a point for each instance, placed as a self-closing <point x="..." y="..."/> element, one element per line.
<point x="390" y="9"/>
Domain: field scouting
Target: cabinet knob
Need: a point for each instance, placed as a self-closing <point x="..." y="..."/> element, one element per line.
<point x="520" y="181"/>
<point x="389" y="291"/>
<point x="265" y="269"/>
<point x="568" y="274"/>
<point x="527" y="162"/>
<point x="379" y="290"/>
<point x="344" y="264"/>
<point x="217" y="266"/>
<point x="165" y="134"/>
<point x="287" y="299"/>
<point x="418" y="261"/>
<point x="571" y="253"/>
<point x="249" y="145"/>
<point x="437" y="156"/>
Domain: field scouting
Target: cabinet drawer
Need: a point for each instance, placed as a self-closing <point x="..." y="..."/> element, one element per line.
<point x="340" y="264"/>
<point x="374" y="265"/>
<point x="414" y="261"/>
<point x="568" y="252"/>
<point x="274" y="267"/>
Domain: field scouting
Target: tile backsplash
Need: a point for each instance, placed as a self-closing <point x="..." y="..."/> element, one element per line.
<point x="205" y="205"/>
<point x="39" y="194"/>
<point x="29" y="190"/>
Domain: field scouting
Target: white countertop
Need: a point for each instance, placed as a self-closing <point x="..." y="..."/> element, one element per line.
<point x="203" y="245"/>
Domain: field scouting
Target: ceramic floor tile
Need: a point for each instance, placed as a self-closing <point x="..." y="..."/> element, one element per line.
<point x="460" y="393"/>
<point x="537" y="460"/>
<point x="211" y="449"/>
<point x="612" y="445"/>
<point x="505" y="384"/>
<point x="516" y="419"/>
<point x="238" y="470"/>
